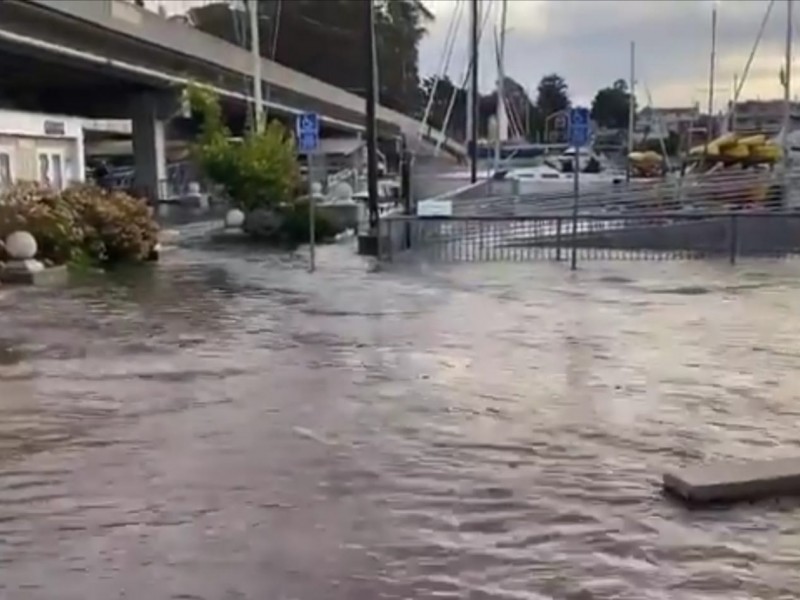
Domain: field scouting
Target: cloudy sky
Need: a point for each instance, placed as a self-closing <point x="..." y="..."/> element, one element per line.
<point x="588" y="43"/>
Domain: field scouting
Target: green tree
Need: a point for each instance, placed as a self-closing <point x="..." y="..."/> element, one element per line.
<point x="445" y="89"/>
<point x="259" y="171"/>
<point x="523" y="115"/>
<point x="325" y="39"/>
<point x="552" y="95"/>
<point x="611" y="105"/>
<point x="522" y="111"/>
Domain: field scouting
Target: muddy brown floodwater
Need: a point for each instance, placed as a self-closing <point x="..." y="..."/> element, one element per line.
<point x="228" y="426"/>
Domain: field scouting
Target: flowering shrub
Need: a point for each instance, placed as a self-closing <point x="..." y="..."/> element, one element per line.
<point x="82" y="222"/>
<point x="116" y="226"/>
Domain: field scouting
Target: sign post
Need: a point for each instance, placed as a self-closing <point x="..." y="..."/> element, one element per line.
<point x="578" y="137"/>
<point x="307" y="130"/>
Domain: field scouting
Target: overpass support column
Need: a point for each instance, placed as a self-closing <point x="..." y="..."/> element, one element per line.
<point x="149" y="144"/>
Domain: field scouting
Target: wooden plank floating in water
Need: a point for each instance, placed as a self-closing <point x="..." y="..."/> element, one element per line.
<point x="729" y="481"/>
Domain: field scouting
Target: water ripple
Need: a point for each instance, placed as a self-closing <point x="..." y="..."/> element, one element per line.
<point x="229" y="426"/>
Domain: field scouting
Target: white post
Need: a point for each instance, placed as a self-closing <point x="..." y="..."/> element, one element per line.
<point x="255" y="49"/>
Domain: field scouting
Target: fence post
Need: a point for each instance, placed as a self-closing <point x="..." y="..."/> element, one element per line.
<point x="574" y="251"/>
<point x="733" y="241"/>
<point x="558" y="238"/>
<point x="480" y="240"/>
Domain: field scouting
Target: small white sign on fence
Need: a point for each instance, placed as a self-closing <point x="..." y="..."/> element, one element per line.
<point x="435" y="208"/>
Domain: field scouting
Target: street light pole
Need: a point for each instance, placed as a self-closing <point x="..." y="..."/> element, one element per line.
<point x="255" y="50"/>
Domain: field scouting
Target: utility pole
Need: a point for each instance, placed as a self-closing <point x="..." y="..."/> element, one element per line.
<point x="631" y="110"/>
<point x="371" y="129"/>
<point x="473" y="94"/>
<point x="255" y="50"/>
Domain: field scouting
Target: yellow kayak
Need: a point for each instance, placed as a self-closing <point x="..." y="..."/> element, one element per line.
<point x="766" y="152"/>
<point x="648" y="156"/>
<point x="712" y="150"/>
<point x="754" y="140"/>
<point x="736" y="152"/>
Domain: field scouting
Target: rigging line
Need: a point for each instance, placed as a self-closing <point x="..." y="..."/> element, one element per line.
<point x="513" y="119"/>
<point x="750" y="58"/>
<point x="240" y="31"/>
<point x="464" y="80"/>
<point x="450" y="38"/>
<point x="660" y="137"/>
<point x="449" y="56"/>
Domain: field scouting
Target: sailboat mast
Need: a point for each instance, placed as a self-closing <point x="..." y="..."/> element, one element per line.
<point x="711" y="73"/>
<point x="473" y="94"/>
<point x="631" y="108"/>
<point x="502" y="119"/>
<point x="787" y="85"/>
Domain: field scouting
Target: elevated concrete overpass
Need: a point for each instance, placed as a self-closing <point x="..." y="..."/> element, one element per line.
<point x="110" y="59"/>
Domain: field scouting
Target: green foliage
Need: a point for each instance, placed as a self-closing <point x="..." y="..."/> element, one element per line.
<point x="524" y="115"/>
<point x="295" y="224"/>
<point x="324" y="39"/>
<point x="610" y="106"/>
<point x="259" y="171"/>
<point x="552" y="95"/>
<point x="83" y="223"/>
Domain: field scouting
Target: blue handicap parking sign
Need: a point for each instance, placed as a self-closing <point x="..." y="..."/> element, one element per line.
<point x="579" y="126"/>
<point x="307" y="129"/>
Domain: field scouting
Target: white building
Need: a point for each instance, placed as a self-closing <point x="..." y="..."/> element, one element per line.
<point x="660" y="122"/>
<point x="43" y="148"/>
<point x="763" y="116"/>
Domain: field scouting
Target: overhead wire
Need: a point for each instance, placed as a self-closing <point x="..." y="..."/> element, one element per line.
<point x="752" y="55"/>
<point x="464" y="80"/>
<point x="511" y="114"/>
<point x="240" y="34"/>
<point x="273" y="51"/>
<point x="447" y="53"/>
<point x="660" y="137"/>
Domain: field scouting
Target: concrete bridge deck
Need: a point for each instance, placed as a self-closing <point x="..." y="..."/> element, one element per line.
<point x="151" y="51"/>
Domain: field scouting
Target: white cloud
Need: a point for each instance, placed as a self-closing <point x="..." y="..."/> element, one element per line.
<point x="588" y="41"/>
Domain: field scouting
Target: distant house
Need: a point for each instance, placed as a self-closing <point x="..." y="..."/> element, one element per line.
<point x="658" y="123"/>
<point x="763" y="116"/>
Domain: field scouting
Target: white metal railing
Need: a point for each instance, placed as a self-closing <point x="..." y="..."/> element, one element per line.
<point x="715" y="191"/>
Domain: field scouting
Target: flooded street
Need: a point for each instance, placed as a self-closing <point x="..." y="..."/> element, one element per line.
<point x="228" y="426"/>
